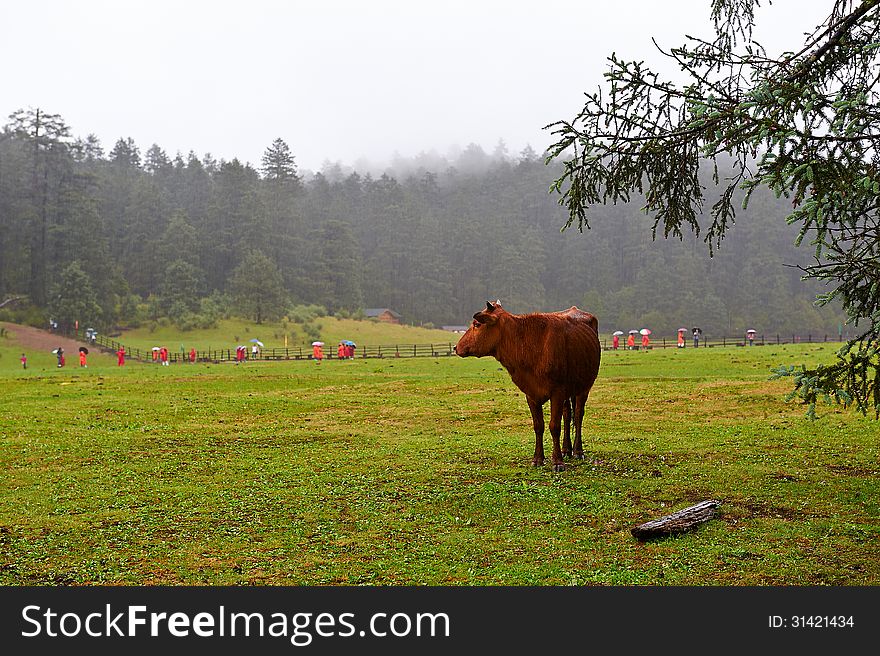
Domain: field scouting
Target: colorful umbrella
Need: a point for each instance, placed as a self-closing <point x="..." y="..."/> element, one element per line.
<point x="317" y="343"/>
<point x="644" y="331"/>
<point x="256" y="341"/>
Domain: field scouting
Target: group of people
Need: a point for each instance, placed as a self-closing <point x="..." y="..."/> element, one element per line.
<point x="697" y="333"/>
<point x="59" y="355"/>
<point x="345" y="350"/>
<point x="160" y="356"/>
<point x="241" y="353"/>
<point x="631" y="342"/>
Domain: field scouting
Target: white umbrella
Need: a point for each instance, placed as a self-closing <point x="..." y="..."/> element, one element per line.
<point x="256" y="341"/>
<point x="317" y="343"/>
<point x="633" y="332"/>
<point x="750" y="330"/>
<point x="644" y="331"/>
<point x="156" y="348"/>
<point x="617" y="332"/>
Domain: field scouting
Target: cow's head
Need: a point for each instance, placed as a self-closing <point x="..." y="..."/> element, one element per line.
<point x="484" y="334"/>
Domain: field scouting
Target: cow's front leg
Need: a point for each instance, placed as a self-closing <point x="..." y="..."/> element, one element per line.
<point x="566" y="429"/>
<point x="537" y="410"/>
<point x="556" y="403"/>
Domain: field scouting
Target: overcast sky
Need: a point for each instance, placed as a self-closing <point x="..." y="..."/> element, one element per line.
<point x="337" y="80"/>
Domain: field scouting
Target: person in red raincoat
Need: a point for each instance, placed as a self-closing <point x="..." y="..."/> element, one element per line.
<point x="317" y="353"/>
<point x="615" y="341"/>
<point x="120" y="356"/>
<point x="82" y="359"/>
<point x="680" y="339"/>
<point x="631" y="341"/>
<point x="645" y="342"/>
<point x="341" y="351"/>
<point x="192" y="354"/>
<point x="163" y="356"/>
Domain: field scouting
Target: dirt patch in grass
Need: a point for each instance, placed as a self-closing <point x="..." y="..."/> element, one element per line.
<point x="34" y="339"/>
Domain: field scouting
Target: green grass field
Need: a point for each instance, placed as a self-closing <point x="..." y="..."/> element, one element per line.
<point x="416" y="471"/>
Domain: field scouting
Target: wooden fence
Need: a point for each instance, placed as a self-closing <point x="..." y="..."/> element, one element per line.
<point x="705" y="342"/>
<point x="415" y="350"/>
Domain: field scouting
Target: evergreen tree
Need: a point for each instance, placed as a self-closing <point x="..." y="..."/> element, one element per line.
<point x="182" y="287"/>
<point x="73" y="299"/>
<point x="47" y="144"/>
<point x="802" y="124"/>
<point x="257" y="289"/>
<point x="279" y="166"/>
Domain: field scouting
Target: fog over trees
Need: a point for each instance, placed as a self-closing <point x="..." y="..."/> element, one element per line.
<point x="431" y="237"/>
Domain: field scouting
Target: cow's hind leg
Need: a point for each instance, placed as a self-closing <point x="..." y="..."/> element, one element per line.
<point x="578" y="410"/>
<point x="566" y="428"/>
<point x="537" y="410"/>
<point x="556" y="404"/>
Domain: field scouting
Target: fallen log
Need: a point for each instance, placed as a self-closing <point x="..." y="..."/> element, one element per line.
<point x="681" y="521"/>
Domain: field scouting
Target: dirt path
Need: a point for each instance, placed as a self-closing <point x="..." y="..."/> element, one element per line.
<point x="34" y="339"/>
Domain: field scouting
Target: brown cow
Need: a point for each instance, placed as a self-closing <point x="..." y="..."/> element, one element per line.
<point x="549" y="356"/>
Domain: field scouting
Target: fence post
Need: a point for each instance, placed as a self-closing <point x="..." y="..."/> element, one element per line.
<point x="777" y="338"/>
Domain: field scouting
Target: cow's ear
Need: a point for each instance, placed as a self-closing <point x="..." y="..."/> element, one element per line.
<point x="485" y="317"/>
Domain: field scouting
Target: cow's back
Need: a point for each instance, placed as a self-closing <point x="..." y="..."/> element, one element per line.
<point x="573" y="351"/>
<point x="553" y="352"/>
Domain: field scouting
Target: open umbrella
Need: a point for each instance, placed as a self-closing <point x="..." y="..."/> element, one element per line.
<point x="256" y="341"/>
<point x="156" y="348"/>
<point x="348" y="342"/>
<point x="83" y="349"/>
<point x="750" y="330"/>
<point x="617" y="332"/>
<point x="633" y="332"/>
<point x="55" y="351"/>
<point x="682" y="330"/>
<point x="317" y="343"/>
<point x="644" y="331"/>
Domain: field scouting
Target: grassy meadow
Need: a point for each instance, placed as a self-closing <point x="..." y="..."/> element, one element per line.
<point x="417" y="472"/>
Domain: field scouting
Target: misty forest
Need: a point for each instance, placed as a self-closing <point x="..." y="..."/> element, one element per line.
<point x="136" y="234"/>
